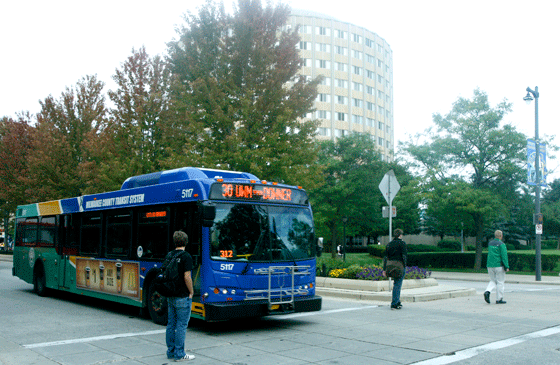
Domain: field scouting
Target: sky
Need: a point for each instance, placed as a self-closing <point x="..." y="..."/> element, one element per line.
<point x="442" y="50"/>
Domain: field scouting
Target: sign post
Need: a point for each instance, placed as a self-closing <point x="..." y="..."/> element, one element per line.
<point x="389" y="187"/>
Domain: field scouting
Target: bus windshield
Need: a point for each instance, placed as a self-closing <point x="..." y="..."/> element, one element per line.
<point x="244" y="232"/>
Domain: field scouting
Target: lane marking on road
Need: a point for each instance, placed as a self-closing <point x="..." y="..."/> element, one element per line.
<point x="308" y="314"/>
<point x="92" y="339"/>
<point x="474" y="351"/>
<point x="158" y="332"/>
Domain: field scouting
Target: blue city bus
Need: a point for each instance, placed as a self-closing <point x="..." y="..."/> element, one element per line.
<point x="252" y="243"/>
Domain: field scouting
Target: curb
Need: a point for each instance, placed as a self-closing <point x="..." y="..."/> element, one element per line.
<point x="417" y="290"/>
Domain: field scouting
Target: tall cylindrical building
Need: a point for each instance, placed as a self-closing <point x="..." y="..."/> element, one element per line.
<point x="356" y="94"/>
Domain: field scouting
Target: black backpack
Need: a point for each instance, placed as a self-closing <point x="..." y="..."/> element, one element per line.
<point x="169" y="281"/>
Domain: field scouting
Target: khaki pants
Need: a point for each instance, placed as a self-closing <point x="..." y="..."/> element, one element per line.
<point x="497" y="280"/>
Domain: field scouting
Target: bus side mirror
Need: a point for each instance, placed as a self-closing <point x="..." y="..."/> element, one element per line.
<point x="208" y="212"/>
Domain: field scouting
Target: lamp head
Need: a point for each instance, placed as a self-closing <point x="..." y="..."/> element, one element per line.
<point x="528" y="98"/>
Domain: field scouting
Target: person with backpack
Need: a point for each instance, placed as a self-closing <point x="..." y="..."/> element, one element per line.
<point x="179" y="305"/>
<point x="394" y="266"/>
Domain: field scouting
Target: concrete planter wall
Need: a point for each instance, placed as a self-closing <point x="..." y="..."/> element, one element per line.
<point x="371" y="285"/>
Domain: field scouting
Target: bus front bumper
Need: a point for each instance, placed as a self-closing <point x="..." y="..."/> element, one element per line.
<point x="226" y="310"/>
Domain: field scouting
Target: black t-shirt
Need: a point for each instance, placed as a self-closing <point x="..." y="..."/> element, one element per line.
<point x="185" y="264"/>
<point x="396" y="250"/>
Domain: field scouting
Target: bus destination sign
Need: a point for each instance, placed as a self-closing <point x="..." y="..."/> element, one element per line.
<point x="267" y="193"/>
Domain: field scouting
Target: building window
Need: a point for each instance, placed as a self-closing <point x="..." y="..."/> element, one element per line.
<point x="325" y="132"/>
<point x="380" y="79"/>
<point x="341" y="66"/>
<point x="356" y="70"/>
<point x="370" y="43"/>
<point x="341" y="99"/>
<point x="370" y="90"/>
<point x="370" y="74"/>
<point x="323" y="31"/>
<point x="322" y="64"/>
<point x="358" y="103"/>
<point x="341" y="83"/>
<point x="341" y="50"/>
<point x="341" y="116"/>
<point x="380" y="141"/>
<point x="305" y="45"/>
<point x="380" y="125"/>
<point x="370" y="106"/>
<point x="340" y="34"/>
<point x="357" y="54"/>
<point x="340" y="132"/>
<point x="307" y="62"/>
<point x="325" y="81"/>
<point x="325" y="98"/>
<point x="305" y="28"/>
<point x="357" y="86"/>
<point x="370" y="59"/>
<point x="379" y="63"/>
<point x="322" y="47"/>
<point x="356" y="38"/>
<point x="370" y="122"/>
<point x="323" y="114"/>
<point x="357" y="119"/>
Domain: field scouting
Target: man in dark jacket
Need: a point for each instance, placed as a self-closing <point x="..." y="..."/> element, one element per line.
<point x="396" y="251"/>
<point x="179" y="307"/>
<point x="497" y="264"/>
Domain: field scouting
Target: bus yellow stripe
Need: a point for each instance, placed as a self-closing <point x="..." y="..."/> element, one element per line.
<point x="50" y="208"/>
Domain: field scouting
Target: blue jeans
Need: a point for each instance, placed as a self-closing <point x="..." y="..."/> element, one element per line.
<point x="178" y="316"/>
<point x="397" y="290"/>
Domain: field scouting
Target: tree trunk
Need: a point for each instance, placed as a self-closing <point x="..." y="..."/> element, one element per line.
<point x="479" y="224"/>
<point x="333" y="241"/>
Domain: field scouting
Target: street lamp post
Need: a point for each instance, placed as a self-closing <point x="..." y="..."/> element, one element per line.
<point x="344" y="220"/>
<point x="528" y="98"/>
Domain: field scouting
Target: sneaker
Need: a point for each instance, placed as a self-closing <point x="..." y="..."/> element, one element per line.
<point x="487" y="297"/>
<point x="185" y="358"/>
<point x="501" y="301"/>
<point x="396" y="306"/>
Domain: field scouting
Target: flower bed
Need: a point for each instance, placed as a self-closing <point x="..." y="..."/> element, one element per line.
<point x="376" y="273"/>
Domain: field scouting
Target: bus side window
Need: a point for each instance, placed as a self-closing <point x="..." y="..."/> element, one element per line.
<point x="186" y="220"/>
<point x="26" y="234"/>
<point x="119" y="233"/>
<point x="90" y="234"/>
<point x="153" y="232"/>
<point x="47" y="231"/>
<point x="68" y="232"/>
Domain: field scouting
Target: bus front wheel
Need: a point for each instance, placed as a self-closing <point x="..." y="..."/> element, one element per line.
<point x="39" y="281"/>
<point x="157" y="306"/>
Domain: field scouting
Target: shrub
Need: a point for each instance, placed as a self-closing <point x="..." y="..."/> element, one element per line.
<point x="449" y="245"/>
<point x="376" y="250"/>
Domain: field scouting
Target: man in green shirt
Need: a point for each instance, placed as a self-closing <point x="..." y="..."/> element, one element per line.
<point x="497" y="264"/>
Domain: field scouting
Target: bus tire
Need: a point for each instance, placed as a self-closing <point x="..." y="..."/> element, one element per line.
<point x="157" y="305"/>
<point x="39" y="281"/>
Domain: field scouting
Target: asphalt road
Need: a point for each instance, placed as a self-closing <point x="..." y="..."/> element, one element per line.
<point x="73" y="330"/>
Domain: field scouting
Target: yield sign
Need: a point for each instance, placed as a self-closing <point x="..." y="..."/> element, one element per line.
<point x="389" y="186"/>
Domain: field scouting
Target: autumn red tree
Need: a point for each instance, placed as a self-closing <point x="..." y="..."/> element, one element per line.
<point x="16" y="141"/>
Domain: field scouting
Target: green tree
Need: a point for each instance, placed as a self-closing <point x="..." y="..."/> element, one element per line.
<point x="352" y="171"/>
<point x="63" y="128"/>
<point x="471" y="146"/>
<point x="238" y="101"/>
<point x="133" y="142"/>
<point x="551" y="210"/>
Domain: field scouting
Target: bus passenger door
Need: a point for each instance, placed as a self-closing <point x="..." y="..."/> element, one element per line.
<point x="66" y="246"/>
<point x="187" y="220"/>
